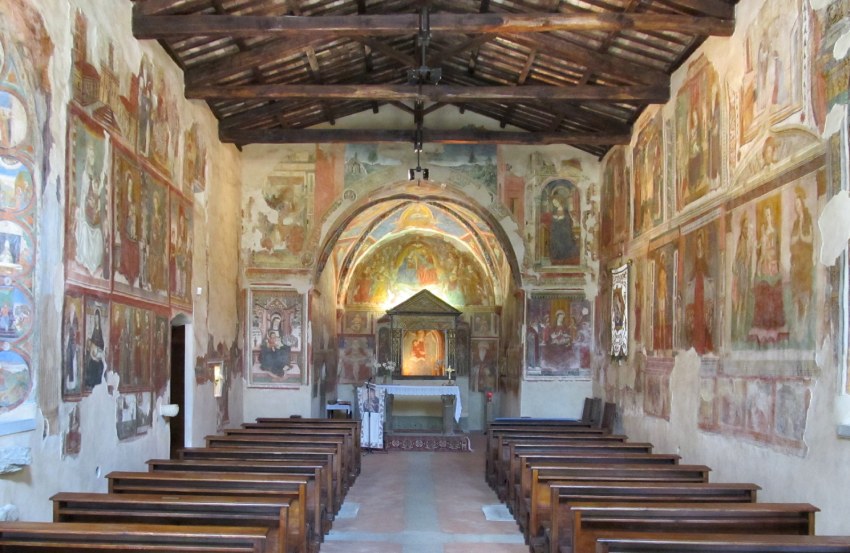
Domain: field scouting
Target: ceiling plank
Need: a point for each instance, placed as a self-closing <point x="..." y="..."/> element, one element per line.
<point x="466" y="136"/>
<point x="441" y="93"/>
<point x="166" y="26"/>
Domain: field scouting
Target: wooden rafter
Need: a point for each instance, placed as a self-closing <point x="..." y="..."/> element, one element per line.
<point x="164" y="26"/>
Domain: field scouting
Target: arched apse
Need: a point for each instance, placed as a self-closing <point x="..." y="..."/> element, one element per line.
<point x="413" y="240"/>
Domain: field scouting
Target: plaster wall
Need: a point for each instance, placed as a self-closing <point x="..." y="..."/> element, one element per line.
<point x="554" y="399"/>
<point x="721" y="427"/>
<point x="53" y="466"/>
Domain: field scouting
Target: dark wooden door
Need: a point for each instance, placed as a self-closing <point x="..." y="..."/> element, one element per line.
<point x="178" y="386"/>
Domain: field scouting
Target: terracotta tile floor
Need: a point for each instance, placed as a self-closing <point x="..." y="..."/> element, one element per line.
<point x="422" y="502"/>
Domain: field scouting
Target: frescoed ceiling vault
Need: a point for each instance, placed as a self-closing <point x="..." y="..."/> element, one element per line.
<point x="394" y="248"/>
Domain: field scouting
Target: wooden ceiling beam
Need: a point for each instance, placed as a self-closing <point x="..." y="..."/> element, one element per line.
<point x="470" y="136"/>
<point x="443" y="93"/>
<point x="169" y="26"/>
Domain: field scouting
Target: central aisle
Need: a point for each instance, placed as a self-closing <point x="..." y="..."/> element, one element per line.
<point x="421" y="502"/>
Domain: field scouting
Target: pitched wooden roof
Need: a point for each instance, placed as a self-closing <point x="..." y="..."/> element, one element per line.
<point x="564" y="71"/>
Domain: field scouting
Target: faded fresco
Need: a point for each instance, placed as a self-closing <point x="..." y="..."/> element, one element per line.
<point x="356" y="359"/>
<point x="194" y="162"/>
<point x="131" y="346"/>
<point x="276" y="335"/>
<point x="772" y="85"/>
<point x="133" y="414"/>
<point x="663" y="292"/>
<point x="648" y="175"/>
<point x="462" y="165"/>
<point x="281" y="212"/>
<point x="701" y="289"/>
<point x="559" y="228"/>
<point x="559" y="337"/>
<point x="483" y="367"/>
<point x="21" y="153"/>
<point x="657" y="395"/>
<point x="614" y="227"/>
<point x="405" y="265"/>
<point x="180" y="251"/>
<point x="699" y="132"/>
<point x="772" y="269"/>
<point x="73" y="349"/>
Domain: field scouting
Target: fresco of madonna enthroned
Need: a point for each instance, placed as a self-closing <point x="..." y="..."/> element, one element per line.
<point x="406" y="265"/>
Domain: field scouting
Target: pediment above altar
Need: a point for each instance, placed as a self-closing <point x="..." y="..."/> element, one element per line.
<point x="423" y="303"/>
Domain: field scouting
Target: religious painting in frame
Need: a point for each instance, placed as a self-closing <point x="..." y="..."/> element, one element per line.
<point x="128" y="245"/>
<point x="194" y="162"/>
<point x="276" y="357"/>
<point x="559" y="336"/>
<point x="699" y="132"/>
<point x="664" y="263"/>
<point x="620" y="312"/>
<point x="559" y="228"/>
<point x="88" y="236"/>
<point x="180" y="253"/>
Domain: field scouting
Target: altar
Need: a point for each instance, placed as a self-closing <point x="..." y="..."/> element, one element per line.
<point x="450" y="396"/>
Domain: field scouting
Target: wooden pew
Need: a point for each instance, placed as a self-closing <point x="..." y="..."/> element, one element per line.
<point x="497" y="435"/>
<point x="641" y="542"/>
<point x="319" y="472"/>
<point x="192" y="510"/>
<point x="589" y="521"/>
<point x="61" y="537"/>
<point x="564" y="493"/>
<point x="541" y="476"/>
<point x="352" y="426"/>
<point x="520" y="478"/>
<point x="291" y="443"/>
<point x="350" y="456"/>
<point x="310" y="454"/>
<point x="304" y="511"/>
<point x="508" y="464"/>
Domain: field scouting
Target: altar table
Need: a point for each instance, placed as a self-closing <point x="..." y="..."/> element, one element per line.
<point x="401" y="390"/>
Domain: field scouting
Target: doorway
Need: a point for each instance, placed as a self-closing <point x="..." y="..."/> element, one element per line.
<point x="178" y="388"/>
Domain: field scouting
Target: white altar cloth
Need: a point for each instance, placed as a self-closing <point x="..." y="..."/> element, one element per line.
<point x="401" y="390"/>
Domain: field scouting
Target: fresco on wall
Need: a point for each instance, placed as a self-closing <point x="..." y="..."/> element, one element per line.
<point x="133" y="414"/>
<point x="423" y="353"/>
<point x="17" y="380"/>
<point x="699" y="124"/>
<point x="180" y="251"/>
<point x="620" y="311"/>
<point x="657" y="395"/>
<point x="88" y="230"/>
<point x="772" y="85"/>
<point x="161" y="353"/>
<point x="356" y="359"/>
<point x="72" y="346"/>
<point x="463" y="165"/>
<point x="615" y="195"/>
<point x="484" y="324"/>
<point x="128" y="245"/>
<point x="16" y="187"/>
<point x="700" y="289"/>
<point x="96" y="344"/>
<point x="772" y="269"/>
<point x="276" y="338"/>
<point x="72" y="440"/>
<point x="131" y="341"/>
<point x="559" y="231"/>
<point x="403" y="266"/>
<point x="357" y="322"/>
<point x="281" y="212"/>
<point x="662" y="291"/>
<point x="483" y="365"/>
<point x="559" y="337"/>
<point x="194" y="162"/>
<point x="14" y="121"/>
<point x="648" y="175"/>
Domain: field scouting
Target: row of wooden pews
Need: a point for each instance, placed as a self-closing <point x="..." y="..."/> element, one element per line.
<point x="273" y="486"/>
<point x="574" y="487"/>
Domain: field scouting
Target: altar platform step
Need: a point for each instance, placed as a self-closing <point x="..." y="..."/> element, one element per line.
<point x="426" y="441"/>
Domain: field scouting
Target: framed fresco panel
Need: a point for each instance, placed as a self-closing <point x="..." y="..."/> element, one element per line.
<point x="356" y="359"/>
<point x="72" y="347"/>
<point x="559" y="228"/>
<point x="559" y="336"/>
<point x="88" y="230"/>
<point x="276" y="337"/>
<point x="357" y="322"/>
<point x="484" y="365"/>
<point x="615" y="193"/>
<point x="96" y="343"/>
<point x="701" y="289"/>
<point x="648" y="176"/>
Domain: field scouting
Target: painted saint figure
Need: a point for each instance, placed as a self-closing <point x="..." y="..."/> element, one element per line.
<point x="769" y="305"/>
<point x="274" y="356"/>
<point x="94" y="355"/>
<point x="563" y="247"/>
<point x="742" y="280"/>
<point x="701" y="335"/>
<point x="802" y="248"/>
<point x="91" y="223"/>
